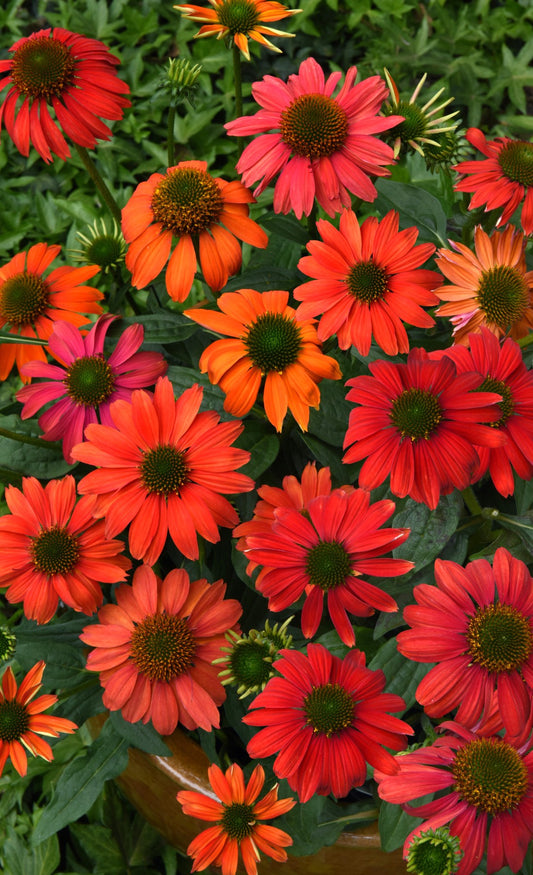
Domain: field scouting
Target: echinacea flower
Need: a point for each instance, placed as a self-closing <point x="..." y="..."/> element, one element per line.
<point x="162" y="467"/>
<point x="52" y="548"/>
<point x="486" y="793"/>
<point x="240" y="21"/>
<point x="323" y="554"/>
<point x="198" y="210"/>
<point x="320" y="145"/>
<point x="248" y="657"/>
<point x="86" y="382"/>
<point x="265" y="340"/>
<point x="103" y="244"/>
<point x="367" y="281"/>
<point x="154" y="649"/>
<point x="326" y="718"/>
<point x="503" y="180"/>
<point x="420" y="124"/>
<point x="477" y="625"/>
<point x="70" y="73"/>
<point x="237" y="816"/>
<point x="434" y="852"/>
<point x="491" y="287"/>
<point x="23" y="721"/>
<point x="31" y="302"/>
<point x="419" y="422"/>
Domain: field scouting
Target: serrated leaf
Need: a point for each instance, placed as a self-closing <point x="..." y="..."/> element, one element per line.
<point x="19" y="859"/>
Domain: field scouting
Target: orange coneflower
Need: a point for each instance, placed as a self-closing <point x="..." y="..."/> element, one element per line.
<point x="266" y="340"/>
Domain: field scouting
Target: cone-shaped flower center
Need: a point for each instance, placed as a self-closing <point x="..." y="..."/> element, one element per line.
<point x="23" y="298"/>
<point x="90" y="380"/>
<point x="54" y="551"/>
<point x="314" y="125"/>
<point x="434" y="852"/>
<point x="503" y="295"/>
<point x="164" y="470"/>
<point x="516" y="161"/>
<point x="8" y="642"/>
<point x="250" y="663"/>
<point x="328" y="565"/>
<point x="239" y="16"/>
<point x="416" y="413"/>
<point x="329" y="709"/>
<point x="506" y="405"/>
<point x="187" y="201"/>
<point x="162" y="647"/>
<point x="238" y="820"/>
<point x="106" y="251"/>
<point x="273" y="342"/>
<point x="499" y="638"/>
<point x="367" y="282"/>
<point x="415" y="122"/>
<point x="43" y="67"/>
<point x="490" y="774"/>
<point x="14" y="721"/>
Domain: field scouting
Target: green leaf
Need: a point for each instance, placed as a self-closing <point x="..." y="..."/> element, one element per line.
<point x="140" y="735"/>
<point x="394" y="826"/>
<point x="162" y="327"/>
<point x="402" y="675"/>
<point x="19" y="859"/>
<point x="311" y="825"/>
<point x="430" y="529"/>
<point x="184" y="378"/>
<point x="263" y="446"/>
<point x="98" y="843"/>
<point x="415" y="206"/>
<point x="44" y="461"/>
<point x="521" y="526"/>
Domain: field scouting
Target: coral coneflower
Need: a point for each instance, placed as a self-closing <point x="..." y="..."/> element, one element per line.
<point x="31" y="302"/>
<point x="267" y="341"/>
<point x="70" y="73"/>
<point x="491" y="287"/>
<point x="87" y="384"/>
<point x="320" y="145"/>
<point x="240" y="21"/>
<point x="154" y="649"/>
<point x="236" y="814"/>
<point x="23" y="721"/>
<point x="162" y="468"/>
<point x="367" y="282"/>
<point x="326" y="718"/>
<point x="503" y="180"/>
<point x="52" y="548"/>
<point x="189" y="205"/>
<point x="420" y="124"/>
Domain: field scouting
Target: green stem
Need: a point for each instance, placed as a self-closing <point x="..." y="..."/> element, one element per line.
<point x="90" y="167"/>
<point x="25" y="439"/>
<point x="170" y="135"/>
<point x="471" y="501"/>
<point x="237" y="78"/>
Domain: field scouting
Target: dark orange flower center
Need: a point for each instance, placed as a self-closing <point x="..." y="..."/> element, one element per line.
<point x="367" y="282"/>
<point x="54" y="551"/>
<point x="164" y="470"/>
<point x="416" y="413"/>
<point x="273" y="342"/>
<point x="503" y="295"/>
<point x="23" y="298"/>
<point x="490" y="774"/>
<point x="239" y="16"/>
<point x="14" y="721"/>
<point x="162" y="647"/>
<point x="187" y="201"/>
<point x="506" y="406"/>
<point x="328" y="565"/>
<point x="43" y="67"/>
<point x="314" y="125"/>
<point x="516" y="161"/>
<point x="238" y="820"/>
<point x="89" y="381"/>
<point x="329" y="709"/>
<point x="250" y="663"/>
<point x="499" y="638"/>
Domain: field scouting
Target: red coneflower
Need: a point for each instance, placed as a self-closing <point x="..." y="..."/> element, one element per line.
<point x="236" y="813"/>
<point x="23" y="721"/>
<point x="52" y="548"/>
<point x="162" y="468"/>
<point x="326" y="718"/>
<point x="154" y="649"/>
<point x="72" y="74"/>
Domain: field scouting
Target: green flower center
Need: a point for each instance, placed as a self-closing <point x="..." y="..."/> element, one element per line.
<point x="239" y="16"/>
<point x="329" y="709"/>
<point x="23" y="298"/>
<point x="503" y="295"/>
<point x="105" y="251"/>
<point x="187" y="201"/>
<point x="516" y="162"/>
<point x="434" y="852"/>
<point x="250" y="664"/>
<point x="273" y="342"/>
<point x="506" y="406"/>
<point x="43" y="67"/>
<point x="416" y="413"/>
<point x="490" y="774"/>
<point x="238" y="820"/>
<point x="499" y="638"/>
<point x="89" y="381"/>
<point x="449" y="150"/>
<point x="8" y="643"/>
<point x="328" y="565"/>
<point x="162" y="647"/>
<point x="314" y="125"/>
<point x="414" y="125"/>
<point x="14" y="721"/>
<point x="164" y="470"/>
<point x="54" y="551"/>
<point x="367" y="282"/>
